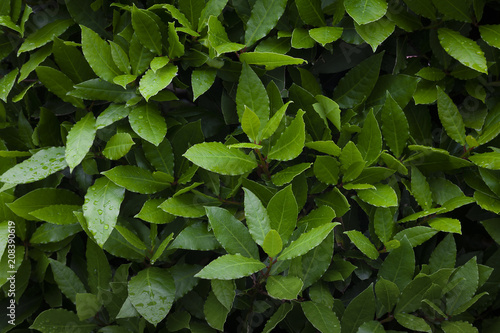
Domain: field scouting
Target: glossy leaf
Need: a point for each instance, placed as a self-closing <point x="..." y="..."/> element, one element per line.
<point x="363" y="243"/>
<point x="395" y="126"/>
<point x="366" y="11"/>
<point x="148" y="123"/>
<point x="307" y="241"/>
<point x="282" y="211"/>
<point x="135" y="179"/>
<point x="283" y="287"/>
<point x="291" y="142"/>
<point x="44" y="35"/>
<point x="153" y="82"/>
<point x="79" y="140"/>
<point x="98" y="54"/>
<point x="230" y="266"/>
<point x="399" y="265"/>
<point x="118" y="146"/>
<point x="463" y="49"/>
<point x="450" y="117"/>
<point x="257" y="219"/>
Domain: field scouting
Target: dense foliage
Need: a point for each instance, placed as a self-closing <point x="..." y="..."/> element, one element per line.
<point x="250" y="165"/>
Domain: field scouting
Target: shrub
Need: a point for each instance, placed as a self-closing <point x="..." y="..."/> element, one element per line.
<point x="247" y="166"/>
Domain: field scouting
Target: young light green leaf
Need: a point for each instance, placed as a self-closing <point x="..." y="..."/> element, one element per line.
<point x="399" y="266"/>
<point x="370" y="139"/>
<point x="135" y="179"/>
<point x="147" y="121"/>
<point x="291" y="142"/>
<point x="326" y="35"/>
<point x="257" y="220"/>
<point x="218" y="38"/>
<point x="79" y="140"/>
<point x="416" y="235"/>
<point x="487" y="160"/>
<point x="118" y="146"/>
<point x="175" y="47"/>
<point x="287" y="175"/>
<point x="35" y="60"/>
<point x="326" y="169"/>
<point x="283" y="287"/>
<point x="153" y="82"/>
<point x="202" y="80"/>
<point x="231" y="233"/>
<point x="360" y="310"/>
<point x="225" y="291"/>
<point x="458" y="327"/>
<point x="272" y="244"/>
<point x="395" y="126"/>
<point x="147" y="30"/>
<point x="270" y="60"/>
<point x="307" y="241"/>
<point x="366" y="11"/>
<point x="101" y="208"/>
<point x="216" y="157"/>
<point x="229" y="267"/>
<point x="67" y="280"/>
<point x="111" y="114"/>
<point x="358" y="83"/>
<point x="250" y="124"/>
<point x="450" y="117"/>
<point x="328" y="109"/>
<point x="363" y="243"/>
<point x="375" y="33"/>
<point x="491" y="34"/>
<point x="195" y="237"/>
<point x="351" y="162"/>
<point x="212" y="7"/>
<point x="310" y="12"/>
<point x="98" y="54"/>
<point x="263" y="18"/>
<point x="152" y="293"/>
<point x="463" y="49"/>
<point x="273" y="123"/>
<point x="44" y="35"/>
<point x="6" y="84"/>
<point x="45" y="162"/>
<point x="131" y="237"/>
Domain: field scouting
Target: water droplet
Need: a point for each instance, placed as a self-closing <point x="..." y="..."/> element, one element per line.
<point x="52" y="160"/>
<point x="106" y="226"/>
<point x="45" y="167"/>
<point x="140" y="117"/>
<point x="96" y="202"/>
<point x="99" y="211"/>
<point x="86" y="201"/>
<point x="93" y="188"/>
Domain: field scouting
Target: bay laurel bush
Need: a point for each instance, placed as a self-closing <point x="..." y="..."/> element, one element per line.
<point x="250" y="165"/>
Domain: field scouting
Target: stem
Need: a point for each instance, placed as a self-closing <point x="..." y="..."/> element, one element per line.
<point x="263" y="164"/>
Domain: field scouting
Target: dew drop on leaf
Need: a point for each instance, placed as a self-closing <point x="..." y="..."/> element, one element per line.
<point x="99" y="211"/>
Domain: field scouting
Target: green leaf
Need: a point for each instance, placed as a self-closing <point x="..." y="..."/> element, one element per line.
<point x="375" y="33"/>
<point x="135" y="179"/>
<point x="188" y="205"/>
<point x="431" y="74"/>
<point x="251" y="93"/>
<point x="301" y="39"/>
<point x="52" y="233"/>
<point x="283" y="287"/>
<point x="79" y="140"/>
<point x="365" y="11"/>
<point x="450" y="117"/>
<point x="486" y="160"/>
<point x="458" y="327"/>
<point x="287" y="175"/>
<point x="413" y="322"/>
<point x="147" y="121"/>
<point x="310" y="12"/>
<point x="176" y="48"/>
<point x="225" y="291"/>
<point x="307" y="241"/>
<point x="363" y="243"/>
<point x="87" y="305"/>
<point x="382" y="196"/>
<point x="131" y="238"/>
<point x="67" y="280"/>
<point x="112" y="114"/>
<point x="53" y="320"/>
<point x="212" y="7"/>
<point x="124" y="80"/>
<point x="283" y="211"/>
<point x="101" y="208"/>
<point x="321" y="317"/>
<point x="218" y="38"/>
<point x="422" y="7"/>
<point x="98" y="268"/>
<point x="202" y="80"/>
<point x="152" y="214"/>
<point x="250" y="124"/>
<point x="58" y="84"/>
<point x="196" y="237"/>
<point x="44" y="35"/>
<point x="153" y="82"/>
<point x="416" y="235"/>
<point x="446" y="224"/>
<point x="229" y="267"/>
<point x="399" y="265"/>
<point x="463" y="49"/>
<point x="326" y="169"/>
<point x="35" y="60"/>
<point x="387" y="293"/>
<point x="358" y="83"/>
<point x="291" y="142"/>
<point x="269" y="59"/>
<point x="328" y="109"/>
<point x="231" y="233"/>
<point x="215" y="312"/>
<point x="444" y="254"/>
<point x="395" y="126"/>
<point x="468" y="275"/>
<point x="152" y="293"/>
<point x="263" y="18"/>
<point x="420" y="189"/>
<point x="192" y="9"/>
<point x="370" y="139"/>
<point x="457" y="10"/>
<point x="412" y="295"/>
<point x="383" y="223"/>
<point x="257" y="220"/>
<point x="147" y="30"/>
<point x="272" y="125"/>
<point x="118" y="146"/>
<point x="326" y="35"/>
<point x="272" y="244"/>
<point x="98" y="54"/>
<point x="120" y="57"/>
<point x="57" y="214"/>
<point x="360" y="310"/>
<point x="216" y="157"/>
<point x="39" y="166"/>
<point x="161" y="157"/>
<point x="491" y="34"/>
<point x="277" y="317"/>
